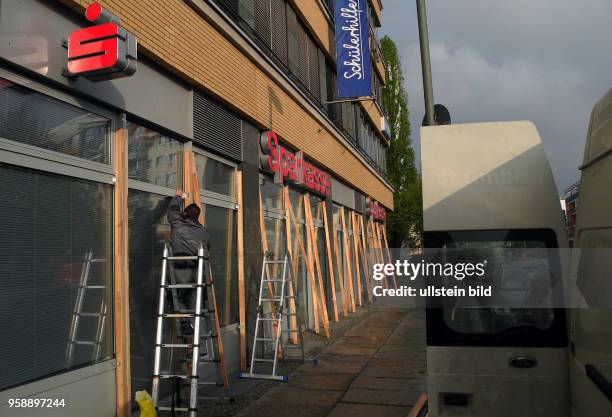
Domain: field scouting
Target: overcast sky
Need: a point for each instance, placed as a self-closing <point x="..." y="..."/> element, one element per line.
<point x="547" y="61"/>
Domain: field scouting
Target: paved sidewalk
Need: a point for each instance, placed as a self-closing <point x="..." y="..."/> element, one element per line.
<point x="376" y="369"/>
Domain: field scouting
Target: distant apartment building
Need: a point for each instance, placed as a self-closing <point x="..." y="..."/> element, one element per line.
<point x="571" y="205"/>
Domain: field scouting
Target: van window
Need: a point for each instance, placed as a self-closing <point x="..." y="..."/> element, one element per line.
<point x="520" y="273"/>
<point x="522" y="267"/>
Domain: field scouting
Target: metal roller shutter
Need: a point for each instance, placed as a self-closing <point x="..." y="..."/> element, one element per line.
<point x="263" y="27"/>
<point x="302" y="55"/>
<point x="314" y="84"/>
<point x="215" y="127"/>
<point x="279" y="30"/>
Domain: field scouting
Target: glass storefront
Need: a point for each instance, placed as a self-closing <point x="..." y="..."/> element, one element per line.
<point x="58" y="210"/>
<point x="53" y="219"/>
<point x="155" y="164"/>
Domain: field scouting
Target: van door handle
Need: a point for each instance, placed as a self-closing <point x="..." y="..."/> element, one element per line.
<point x="599" y="380"/>
<point x="523" y="362"/>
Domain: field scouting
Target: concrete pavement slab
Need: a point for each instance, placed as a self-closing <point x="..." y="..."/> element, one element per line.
<point x="367" y="410"/>
<point x="380" y="397"/>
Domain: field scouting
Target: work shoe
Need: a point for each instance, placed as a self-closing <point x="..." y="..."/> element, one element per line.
<point x="187" y="328"/>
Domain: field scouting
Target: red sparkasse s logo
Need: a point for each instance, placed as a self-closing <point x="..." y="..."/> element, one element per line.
<point x="102" y="52"/>
<point x="291" y="166"/>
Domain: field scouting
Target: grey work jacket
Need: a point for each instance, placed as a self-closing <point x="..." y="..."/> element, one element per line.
<point x="187" y="234"/>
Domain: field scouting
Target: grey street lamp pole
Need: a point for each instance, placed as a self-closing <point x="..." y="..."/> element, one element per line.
<point x="425" y="63"/>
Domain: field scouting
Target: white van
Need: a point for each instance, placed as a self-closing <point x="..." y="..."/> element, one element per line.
<point x="490" y="184"/>
<point x="591" y="329"/>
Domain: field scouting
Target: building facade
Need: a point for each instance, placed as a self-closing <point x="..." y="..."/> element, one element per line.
<point x="88" y="168"/>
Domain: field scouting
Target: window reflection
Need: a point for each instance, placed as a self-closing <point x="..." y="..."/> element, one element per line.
<point x="271" y="194"/>
<point x="35" y="119"/>
<point x="215" y="176"/>
<point x="153" y="157"/>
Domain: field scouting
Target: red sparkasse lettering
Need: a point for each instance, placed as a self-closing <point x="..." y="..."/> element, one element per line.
<point x="292" y="165"/>
<point x="273" y="159"/>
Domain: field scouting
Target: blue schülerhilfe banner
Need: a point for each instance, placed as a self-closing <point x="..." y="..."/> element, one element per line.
<point x="352" y="49"/>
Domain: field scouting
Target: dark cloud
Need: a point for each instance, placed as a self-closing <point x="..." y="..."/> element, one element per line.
<point x="547" y="61"/>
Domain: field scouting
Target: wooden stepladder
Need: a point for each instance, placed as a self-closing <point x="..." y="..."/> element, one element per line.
<point x="206" y="347"/>
<point x="273" y="320"/>
<point x="78" y="315"/>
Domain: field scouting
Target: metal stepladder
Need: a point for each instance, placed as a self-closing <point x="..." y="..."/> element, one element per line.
<point x="271" y="310"/>
<point x="210" y="341"/>
<point x="78" y="314"/>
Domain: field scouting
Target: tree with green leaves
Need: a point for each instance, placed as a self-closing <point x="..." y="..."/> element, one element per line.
<point x="405" y="224"/>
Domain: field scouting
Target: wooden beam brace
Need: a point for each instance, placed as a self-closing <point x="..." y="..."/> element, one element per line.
<point x="121" y="278"/>
<point x="241" y="283"/>
<point x="348" y="277"/>
<point x="294" y="336"/>
<point x="309" y="272"/>
<point x="330" y="264"/>
<point x="315" y="252"/>
<point x="356" y="256"/>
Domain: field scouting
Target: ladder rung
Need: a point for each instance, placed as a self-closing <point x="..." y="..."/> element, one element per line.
<point x="262" y="376"/>
<point x="182" y="258"/>
<point x="208" y="383"/>
<point x="277" y="300"/>
<point x="263" y="339"/>
<point x="263" y="360"/>
<point x="97" y="260"/>
<point x="178" y="315"/>
<point x="179" y="409"/>
<point x="176" y="345"/>
<point x="90" y="314"/>
<point x="179" y="286"/>
<point x="266" y="319"/>
<point x="274" y="262"/>
<point x="84" y="342"/>
<point x="92" y="287"/>
<point x="273" y="280"/>
<point x="169" y="376"/>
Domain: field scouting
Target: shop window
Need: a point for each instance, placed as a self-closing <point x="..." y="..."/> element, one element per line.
<point x="297" y="203"/>
<point x="145" y="145"/>
<point x="38" y="120"/>
<point x="221" y="224"/>
<point x="215" y="176"/>
<point x="50" y="223"/>
<point x="148" y="229"/>
<point x="271" y="194"/>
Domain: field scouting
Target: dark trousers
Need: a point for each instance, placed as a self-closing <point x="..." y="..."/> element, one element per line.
<point x="186" y="272"/>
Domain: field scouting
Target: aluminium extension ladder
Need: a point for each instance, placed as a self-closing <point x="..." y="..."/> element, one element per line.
<point x="212" y="339"/>
<point x="271" y="310"/>
<point x="78" y="314"/>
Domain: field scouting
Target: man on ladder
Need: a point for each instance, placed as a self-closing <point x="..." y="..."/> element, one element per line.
<point x="193" y="300"/>
<point x="187" y="236"/>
